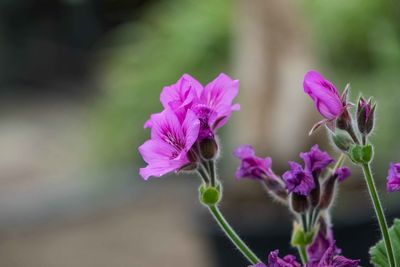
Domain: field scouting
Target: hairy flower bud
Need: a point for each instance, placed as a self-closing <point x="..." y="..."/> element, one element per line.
<point x="365" y="115"/>
<point x="208" y="148"/>
<point x="344" y="121"/>
<point x="299" y="203"/>
<point x="328" y="191"/>
<point x="315" y="193"/>
<point x="342" y="140"/>
<point x="329" y="186"/>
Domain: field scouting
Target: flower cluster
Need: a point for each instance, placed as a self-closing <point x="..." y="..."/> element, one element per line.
<point x="183" y="138"/>
<point x="184" y="132"/>
<point x="299" y="180"/>
<point x="307" y="189"/>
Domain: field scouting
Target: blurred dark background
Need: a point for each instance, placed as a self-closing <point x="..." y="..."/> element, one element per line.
<point x="78" y="79"/>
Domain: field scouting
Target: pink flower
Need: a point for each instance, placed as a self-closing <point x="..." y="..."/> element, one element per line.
<point x="170" y="142"/>
<point x="393" y="179"/>
<point x="212" y="104"/>
<point x="324" y="94"/>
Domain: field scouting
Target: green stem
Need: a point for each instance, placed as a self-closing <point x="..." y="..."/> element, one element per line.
<point x="233" y="236"/>
<point x="303" y="254"/>
<point x="379" y="212"/>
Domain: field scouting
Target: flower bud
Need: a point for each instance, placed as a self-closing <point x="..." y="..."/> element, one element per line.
<point x="208" y="148"/>
<point x="361" y="154"/>
<point x="343" y="122"/>
<point x="328" y="191"/>
<point x="365" y="116"/>
<point x="299" y="203"/>
<point x="342" y="140"/>
<point x="315" y="193"/>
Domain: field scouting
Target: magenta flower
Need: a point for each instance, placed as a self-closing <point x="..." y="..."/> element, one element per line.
<point x="331" y="259"/>
<point x="275" y="261"/>
<point x="316" y="160"/>
<point x="252" y="166"/>
<point x="327" y="100"/>
<point x="393" y="179"/>
<point x="212" y="104"/>
<point x="298" y="180"/>
<point x="324" y="94"/>
<point x="170" y="142"/>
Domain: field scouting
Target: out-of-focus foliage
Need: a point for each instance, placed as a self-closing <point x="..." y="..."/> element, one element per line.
<point x="172" y="38"/>
<point x="359" y="42"/>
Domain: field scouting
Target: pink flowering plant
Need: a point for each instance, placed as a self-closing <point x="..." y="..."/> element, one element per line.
<point x="184" y="139"/>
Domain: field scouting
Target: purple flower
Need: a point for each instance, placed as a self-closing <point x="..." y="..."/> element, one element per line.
<point x="324" y="94"/>
<point x="298" y="180"/>
<point x="331" y="259"/>
<point x="170" y="142"/>
<point x="393" y="179"/>
<point x="275" y="261"/>
<point x="252" y="166"/>
<point x="322" y="241"/>
<point x="342" y="173"/>
<point x="316" y="160"/>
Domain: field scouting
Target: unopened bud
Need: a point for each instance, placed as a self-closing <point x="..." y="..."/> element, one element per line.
<point x="315" y="193"/>
<point x="344" y="121"/>
<point x="342" y="140"/>
<point x="365" y="115"/>
<point x="328" y="191"/>
<point x="299" y="203"/>
<point x="361" y="154"/>
<point x="208" y="148"/>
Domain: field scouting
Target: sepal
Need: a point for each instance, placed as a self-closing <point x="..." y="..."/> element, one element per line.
<point x="361" y="154"/>
<point x="210" y="195"/>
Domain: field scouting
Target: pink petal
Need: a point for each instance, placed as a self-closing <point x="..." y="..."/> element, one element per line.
<point x="191" y="127"/>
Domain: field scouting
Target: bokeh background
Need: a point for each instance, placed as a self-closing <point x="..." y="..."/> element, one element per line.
<point x="78" y="78"/>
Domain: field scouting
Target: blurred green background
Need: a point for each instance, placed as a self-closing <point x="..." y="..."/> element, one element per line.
<point x="80" y="77"/>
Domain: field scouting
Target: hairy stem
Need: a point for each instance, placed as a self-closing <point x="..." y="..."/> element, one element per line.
<point x="233" y="236"/>
<point x="379" y="212"/>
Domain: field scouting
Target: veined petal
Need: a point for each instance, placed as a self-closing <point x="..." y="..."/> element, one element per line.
<point x="220" y="92"/>
<point x="155" y="149"/>
<point x="190" y="127"/>
<point x="167" y="127"/>
<point x="160" y="167"/>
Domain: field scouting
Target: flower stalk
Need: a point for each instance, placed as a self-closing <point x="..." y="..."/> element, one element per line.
<point x="379" y="212"/>
<point x="233" y="236"/>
